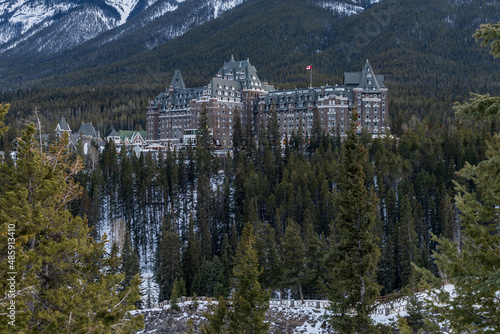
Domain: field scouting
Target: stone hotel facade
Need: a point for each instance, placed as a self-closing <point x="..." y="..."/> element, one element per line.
<point x="236" y="88"/>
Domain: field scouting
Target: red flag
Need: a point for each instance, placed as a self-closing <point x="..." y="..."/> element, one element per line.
<point x="309" y="67"/>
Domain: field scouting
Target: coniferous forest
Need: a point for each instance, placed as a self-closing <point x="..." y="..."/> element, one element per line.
<point x="318" y="217"/>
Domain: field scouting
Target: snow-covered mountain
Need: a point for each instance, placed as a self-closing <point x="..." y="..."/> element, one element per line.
<point x="47" y="27"/>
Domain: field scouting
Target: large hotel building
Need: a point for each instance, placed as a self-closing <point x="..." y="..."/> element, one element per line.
<point x="172" y="118"/>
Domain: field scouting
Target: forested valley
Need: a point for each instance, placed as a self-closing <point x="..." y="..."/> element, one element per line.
<point x="185" y="212"/>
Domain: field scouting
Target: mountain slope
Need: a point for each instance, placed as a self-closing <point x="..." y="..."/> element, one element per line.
<point x="410" y="40"/>
<point x="62" y="47"/>
<point x="29" y="24"/>
<point x="424" y="48"/>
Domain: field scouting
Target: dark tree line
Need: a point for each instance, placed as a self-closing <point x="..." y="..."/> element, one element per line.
<point x="185" y="211"/>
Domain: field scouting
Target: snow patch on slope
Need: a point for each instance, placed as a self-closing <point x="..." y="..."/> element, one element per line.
<point x="21" y="17"/>
<point x="342" y="8"/>
<point x="124" y="7"/>
<point x="162" y="10"/>
<point x="346" y="7"/>
<point x="220" y="6"/>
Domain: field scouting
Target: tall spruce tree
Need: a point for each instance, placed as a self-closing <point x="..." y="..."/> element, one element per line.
<point x="191" y="257"/>
<point x="168" y="263"/>
<point x="130" y="261"/>
<point x="354" y="252"/>
<point x="204" y="146"/>
<point x="64" y="281"/>
<point x="472" y="266"/>
<point x="249" y="302"/>
<point x="408" y="250"/>
<point x="293" y="252"/>
<point x="3" y="111"/>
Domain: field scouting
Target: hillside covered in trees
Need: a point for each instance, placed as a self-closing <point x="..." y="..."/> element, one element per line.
<point x="425" y="49"/>
<point x="318" y="217"/>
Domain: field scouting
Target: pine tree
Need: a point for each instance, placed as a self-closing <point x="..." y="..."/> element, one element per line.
<point x="178" y="291"/>
<point x="64" y="282"/>
<point x="217" y="321"/>
<point x="249" y="302"/>
<point x="316" y="131"/>
<point x="293" y="254"/>
<point x="191" y="257"/>
<point x="473" y="266"/>
<point x="130" y="260"/>
<point x="408" y="240"/>
<point x="168" y="265"/>
<point x="3" y="111"/>
<point x="268" y="255"/>
<point x="354" y="252"/>
<point x="204" y="146"/>
<point x="238" y="138"/>
<point x="114" y="259"/>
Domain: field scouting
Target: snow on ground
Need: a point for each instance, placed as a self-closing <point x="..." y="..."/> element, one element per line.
<point x="282" y="318"/>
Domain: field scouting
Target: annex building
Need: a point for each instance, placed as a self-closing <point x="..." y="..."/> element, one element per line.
<point x="172" y="118"/>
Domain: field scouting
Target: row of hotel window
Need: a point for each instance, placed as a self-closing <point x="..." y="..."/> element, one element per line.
<point x="230" y="133"/>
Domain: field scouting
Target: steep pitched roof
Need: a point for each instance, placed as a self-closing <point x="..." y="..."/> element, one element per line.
<point x="242" y="71"/>
<point x="113" y="133"/>
<point x="63" y="125"/>
<point x="366" y="79"/>
<point x="177" y="81"/>
<point x="86" y="129"/>
<point x="131" y="134"/>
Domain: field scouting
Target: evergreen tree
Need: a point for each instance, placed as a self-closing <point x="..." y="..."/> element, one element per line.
<point x="249" y="302"/>
<point x="293" y="254"/>
<point x="168" y="265"/>
<point x="268" y="255"/>
<point x="191" y="257"/>
<point x="484" y="106"/>
<point x="473" y="266"/>
<point x="204" y="146"/>
<point x="316" y="131"/>
<point x="315" y="255"/>
<point x="238" y="138"/>
<point x="64" y="282"/>
<point x="408" y="240"/>
<point x="3" y="111"/>
<point x="114" y="259"/>
<point x="217" y="322"/>
<point x="130" y="261"/>
<point x="178" y="291"/>
<point x="354" y="252"/>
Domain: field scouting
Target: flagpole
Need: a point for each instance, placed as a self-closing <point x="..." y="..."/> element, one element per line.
<point x="309" y="68"/>
<point x="311" y="78"/>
